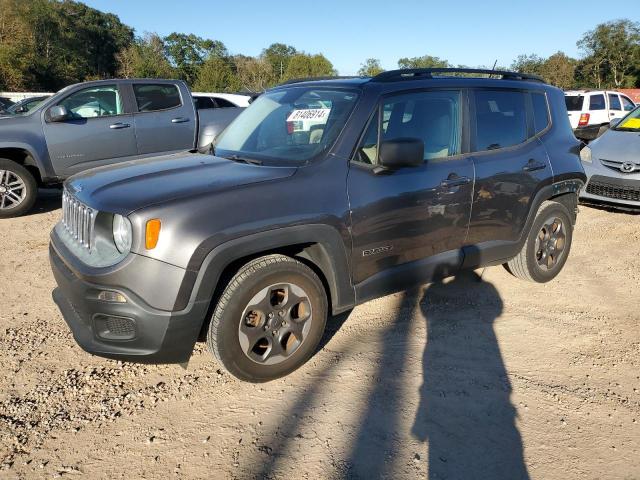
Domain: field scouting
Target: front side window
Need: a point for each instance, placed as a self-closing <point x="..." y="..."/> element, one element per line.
<point x="433" y="117"/>
<point x="501" y="119"/>
<point x="596" y="102"/>
<point x="94" y="102"/>
<point x="627" y="104"/>
<point x="614" y="102"/>
<point x="540" y="111"/>
<point x="289" y="126"/>
<point x="152" y="98"/>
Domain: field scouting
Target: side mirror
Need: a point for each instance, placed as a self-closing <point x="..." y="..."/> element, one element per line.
<point x="401" y="152"/>
<point x="613" y="123"/>
<point x="59" y="113"/>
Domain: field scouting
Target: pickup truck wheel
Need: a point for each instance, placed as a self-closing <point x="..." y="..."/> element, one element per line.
<point x="18" y="189"/>
<point x="269" y="319"/>
<point x="547" y="246"/>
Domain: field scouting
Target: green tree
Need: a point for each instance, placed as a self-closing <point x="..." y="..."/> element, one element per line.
<point x="559" y="70"/>
<point x="187" y="53"/>
<point x="528" y="64"/>
<point x="145" y="59"/>
<point x="254" y="74"/>
<point x="216" y="75"/>
<point x="279" y="55"/>
<point x="303" y="65"/>
<point x="426" y="61"/>
<point x="370" y="68"/>
<point x="612" y="53"/>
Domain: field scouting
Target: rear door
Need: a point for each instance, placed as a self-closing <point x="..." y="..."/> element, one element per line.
<point x="165" y="117"/>
<point x="615" y="106"/>
<point x="99" y="131"/>
<point x="598" y="112"/>
<point x="408" y="225"/>
<point x="511" y="163"/>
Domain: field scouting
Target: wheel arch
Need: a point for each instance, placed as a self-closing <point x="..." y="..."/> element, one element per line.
<point x="25" y="156"/>
<point x="318" y="246"/>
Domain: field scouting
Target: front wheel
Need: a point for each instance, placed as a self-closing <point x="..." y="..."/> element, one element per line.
<point x="269" y="319"/>
<point x="547" y="246"/>
<point x="18" y="189"/>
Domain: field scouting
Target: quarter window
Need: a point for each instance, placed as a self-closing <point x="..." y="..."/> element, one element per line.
<point x="501" y="119"/>
<point x="540" y="111"/>
<point x="627" y="104"/>
<point x="596" y="102"/>
<point x="614" y="102"/>
<point x="151" y="98"/>
<point x="94" y="102"/>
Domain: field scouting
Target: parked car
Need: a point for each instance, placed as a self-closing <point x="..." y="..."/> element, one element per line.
<point x="98" y="123"/>
<point x="278" y="229"/>
<point x="25" y="105"/>
<point x="221" y="100"/>
<point x="590" y="111"/>
<point x="612" y="165"/>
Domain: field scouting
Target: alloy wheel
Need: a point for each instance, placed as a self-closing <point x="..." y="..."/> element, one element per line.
<point x="13" y="190"/>
<point x="550" y="243"/>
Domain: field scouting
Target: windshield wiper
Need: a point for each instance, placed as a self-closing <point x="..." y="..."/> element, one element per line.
<point x="239" y="159"/>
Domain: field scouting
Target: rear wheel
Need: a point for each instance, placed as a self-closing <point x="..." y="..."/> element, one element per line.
<point x="547" y="246"/>
<point x="269" y="319"/>
<point x="18" y="189"/>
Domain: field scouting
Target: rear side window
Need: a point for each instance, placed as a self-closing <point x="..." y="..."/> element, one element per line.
<point x="614" y="102"/>
<point x="596" y="102"/>
<point x="501" y="119"/>
<point x="222" y="103"/>
<point x="540" y="111"/>
<point x="627" y="104"/>
<point x="203" y="103"/>
<point x="574" y="102"/>
<point x="151" y="98"/>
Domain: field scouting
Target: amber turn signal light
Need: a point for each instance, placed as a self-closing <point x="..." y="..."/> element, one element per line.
<point x="152" y="233"/>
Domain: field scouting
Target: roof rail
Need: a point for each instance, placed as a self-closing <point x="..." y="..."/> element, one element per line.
<point x="311" y="79"/>
<point x="418" y="73"/>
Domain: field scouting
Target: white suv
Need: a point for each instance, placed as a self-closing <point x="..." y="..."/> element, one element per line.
<point x="590" y="111"/>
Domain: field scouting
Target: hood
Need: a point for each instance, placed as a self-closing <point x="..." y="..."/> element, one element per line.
<point x="129" y="186"/>
<point x="618" y="146"/>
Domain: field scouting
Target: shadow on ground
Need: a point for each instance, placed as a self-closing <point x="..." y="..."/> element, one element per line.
<point x="49" y="199"/>
<point x="465" y="418"/>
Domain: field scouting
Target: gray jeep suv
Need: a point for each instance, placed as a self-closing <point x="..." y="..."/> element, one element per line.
<point x="322" y="195"/>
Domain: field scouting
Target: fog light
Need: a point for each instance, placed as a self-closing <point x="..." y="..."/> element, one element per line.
<point x="113" y="297"/>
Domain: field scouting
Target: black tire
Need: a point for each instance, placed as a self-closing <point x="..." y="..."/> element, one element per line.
<point x="266" y="275"/>
<point x="28" y="193"/>
<point x="541" y="258"/>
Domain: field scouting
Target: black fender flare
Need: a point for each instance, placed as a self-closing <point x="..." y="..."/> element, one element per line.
<point x="330" y="257"/>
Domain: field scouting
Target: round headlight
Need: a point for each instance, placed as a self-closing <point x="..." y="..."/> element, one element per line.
<point x="122" y="233"/>
<point x="585" y="155"/>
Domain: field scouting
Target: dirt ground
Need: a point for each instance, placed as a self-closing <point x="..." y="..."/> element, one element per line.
<point x="481" y="377"/>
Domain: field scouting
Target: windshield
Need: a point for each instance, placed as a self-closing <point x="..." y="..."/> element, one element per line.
<point x="574" y="102"/>
<point x="630" y="123"/>
<point x="289" y="126"/>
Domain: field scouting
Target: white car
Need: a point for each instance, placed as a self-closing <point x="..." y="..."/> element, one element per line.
<point x="220" y="100"/>
<point x="590" y="111"/>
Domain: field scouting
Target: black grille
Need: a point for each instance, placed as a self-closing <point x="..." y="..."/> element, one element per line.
<point x="121" y="327"/>
<point x="619" y="192"/>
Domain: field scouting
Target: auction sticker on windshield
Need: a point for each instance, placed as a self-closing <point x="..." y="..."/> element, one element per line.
<point x="319" y="114"/>
<point x="631" y="123"/>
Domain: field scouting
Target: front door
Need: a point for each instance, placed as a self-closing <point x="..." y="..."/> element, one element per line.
<point x="98" y="132"/>
<point x="408" y="225"/>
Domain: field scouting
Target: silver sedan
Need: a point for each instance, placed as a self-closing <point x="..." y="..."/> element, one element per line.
<point x="612" y="165"/>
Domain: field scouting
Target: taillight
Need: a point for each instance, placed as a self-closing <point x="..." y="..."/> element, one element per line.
<point x="584" y="120"/>
<point x="289" y="128"/>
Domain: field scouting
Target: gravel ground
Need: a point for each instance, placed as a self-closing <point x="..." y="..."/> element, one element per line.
<point x="484" y="376"/>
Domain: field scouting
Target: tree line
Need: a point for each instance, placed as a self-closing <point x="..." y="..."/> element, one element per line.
<point x="48" y="44"/>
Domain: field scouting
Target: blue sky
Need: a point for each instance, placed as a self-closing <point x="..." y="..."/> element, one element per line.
<point x="347" y="32"/>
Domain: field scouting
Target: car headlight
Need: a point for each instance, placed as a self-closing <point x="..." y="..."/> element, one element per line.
<point x="122" y="235"/>
<point x="585" y="155"/>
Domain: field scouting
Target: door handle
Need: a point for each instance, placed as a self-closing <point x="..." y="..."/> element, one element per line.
<point x="533" y="165"/>
<point x="179" y="120"/>
<point x="453" y="182"/>
<point x="119" y="125"/>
